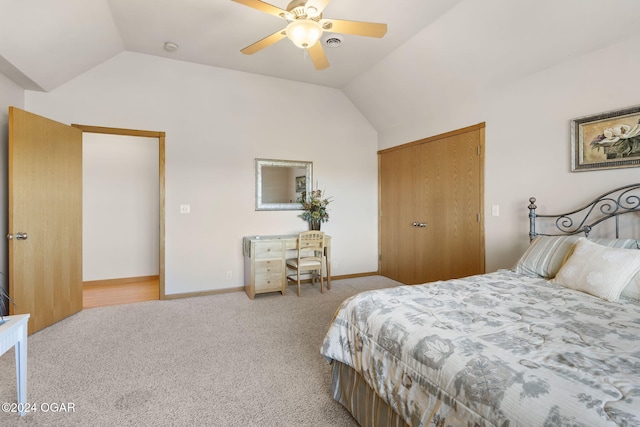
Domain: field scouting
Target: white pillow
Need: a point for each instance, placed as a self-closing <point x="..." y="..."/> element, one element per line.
<point x="598" y="270"/>
<point x="546" y="254"/>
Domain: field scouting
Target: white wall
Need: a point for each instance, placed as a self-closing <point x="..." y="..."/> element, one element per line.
<point x="536" y="111"/>
<point x="527" y="119"/>
<point x="10" y="95"/>
<point x="120" y="206"/>
<point x="217" y="122"/>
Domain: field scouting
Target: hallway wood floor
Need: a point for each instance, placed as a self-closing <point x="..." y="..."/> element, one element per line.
<point x="120" y="292"/>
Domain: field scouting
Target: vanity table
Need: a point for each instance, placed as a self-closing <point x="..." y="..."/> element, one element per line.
<point x="265" y="262"/>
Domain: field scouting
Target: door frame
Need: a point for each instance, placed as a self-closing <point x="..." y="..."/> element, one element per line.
<point x="161" y="189"/>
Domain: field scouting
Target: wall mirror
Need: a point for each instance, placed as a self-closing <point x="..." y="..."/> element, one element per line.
<point x="280" y="182"/>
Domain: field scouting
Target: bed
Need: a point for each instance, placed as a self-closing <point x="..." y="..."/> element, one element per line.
<point x="555" y="341"/>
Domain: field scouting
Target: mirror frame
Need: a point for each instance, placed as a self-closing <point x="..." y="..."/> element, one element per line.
<point x="260" y="163"/>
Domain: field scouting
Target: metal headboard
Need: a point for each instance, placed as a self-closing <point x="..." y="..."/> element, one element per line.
<point x="612" y="204"/>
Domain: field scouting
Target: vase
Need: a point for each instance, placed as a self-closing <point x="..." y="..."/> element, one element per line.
<point x="314" y="224"/>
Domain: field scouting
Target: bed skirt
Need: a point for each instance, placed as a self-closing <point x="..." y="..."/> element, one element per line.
<point x="353" y="392"/>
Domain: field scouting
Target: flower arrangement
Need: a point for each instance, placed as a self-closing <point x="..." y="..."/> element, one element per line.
<point x="314" y="205"/>
<point x="618" y="142"/>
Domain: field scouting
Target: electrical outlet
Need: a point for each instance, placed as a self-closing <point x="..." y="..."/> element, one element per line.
<point x="229" y="275"/>
<point x="334" y="265"/>
<point x="185" y="209"/>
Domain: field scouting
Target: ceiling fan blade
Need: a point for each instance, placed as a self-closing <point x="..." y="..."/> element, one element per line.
<point x="319" y="58"/>
<point x="264" y="7"/>
<point x="368" y="29"/>
<point x="267" y="41"/>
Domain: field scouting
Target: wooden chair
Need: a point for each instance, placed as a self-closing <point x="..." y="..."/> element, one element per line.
<point x="310" y="258"/>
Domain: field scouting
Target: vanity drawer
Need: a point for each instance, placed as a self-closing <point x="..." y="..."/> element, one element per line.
<point x="269" y="281"/>
<point x="268" y="267"/>
<point x="268" y="250"/>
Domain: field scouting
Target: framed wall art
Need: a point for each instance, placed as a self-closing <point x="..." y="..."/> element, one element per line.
<point x="606" y="141"/>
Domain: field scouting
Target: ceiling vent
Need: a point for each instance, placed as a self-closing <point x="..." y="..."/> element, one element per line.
<point x="333" y="41"/>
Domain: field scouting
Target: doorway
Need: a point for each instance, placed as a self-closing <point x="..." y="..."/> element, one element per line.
<point x="123" y="255"/>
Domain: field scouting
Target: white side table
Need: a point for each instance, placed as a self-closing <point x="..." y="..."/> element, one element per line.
<point x="13" y="332"/>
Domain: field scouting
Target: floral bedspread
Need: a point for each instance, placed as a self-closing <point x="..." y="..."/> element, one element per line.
<point x="498" y="349"/>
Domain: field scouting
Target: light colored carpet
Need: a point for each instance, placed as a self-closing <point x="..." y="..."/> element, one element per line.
<point x="220" y="360"/>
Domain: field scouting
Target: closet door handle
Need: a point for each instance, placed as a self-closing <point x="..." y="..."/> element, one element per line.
<point x="18" y="236"/>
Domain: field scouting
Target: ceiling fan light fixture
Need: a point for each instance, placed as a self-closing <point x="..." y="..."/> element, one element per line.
<point x="304" y="33"/>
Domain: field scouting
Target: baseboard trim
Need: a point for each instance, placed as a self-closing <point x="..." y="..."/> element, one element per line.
<point x="354" y="276"/>
<point x="120" y="281"/>
<point x="203" y="293"/>
<point x="241" y="289"/>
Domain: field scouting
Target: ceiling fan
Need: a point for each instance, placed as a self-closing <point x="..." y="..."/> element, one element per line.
<point x="306" y="25"/>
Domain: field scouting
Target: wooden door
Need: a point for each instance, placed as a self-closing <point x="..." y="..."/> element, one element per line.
<point x="439" y="184"/>
<point x="45" y="202"/>
<point x="398" y="186"/>
<point x="453" y="207"/>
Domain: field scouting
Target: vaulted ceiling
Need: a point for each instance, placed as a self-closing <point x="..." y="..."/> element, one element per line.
<point x="45" y="43"/>
<point x="433" y="49"/>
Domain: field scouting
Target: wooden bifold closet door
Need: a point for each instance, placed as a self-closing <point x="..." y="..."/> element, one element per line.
<point x="431" y="205"/>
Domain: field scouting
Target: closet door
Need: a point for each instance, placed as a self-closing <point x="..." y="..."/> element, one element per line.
<point x="430" y="205"/>
<point x="399" y="171"/>
<point x="453" y="234"/>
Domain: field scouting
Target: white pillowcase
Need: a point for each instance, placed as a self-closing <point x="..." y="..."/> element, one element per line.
<point x="598" y="270"/>
<point x="546" y="254"/>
